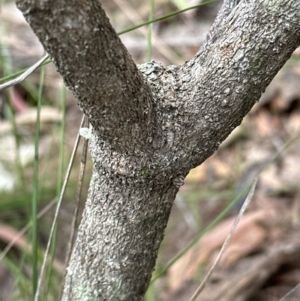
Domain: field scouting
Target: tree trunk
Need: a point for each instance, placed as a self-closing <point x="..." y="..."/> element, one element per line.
<point x="152" y="124"/>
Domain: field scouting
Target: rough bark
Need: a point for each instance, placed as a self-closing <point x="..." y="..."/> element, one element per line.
<point x="152" y="124"/>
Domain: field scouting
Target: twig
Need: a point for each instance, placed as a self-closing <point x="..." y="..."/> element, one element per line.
<point x="21" y="77"/>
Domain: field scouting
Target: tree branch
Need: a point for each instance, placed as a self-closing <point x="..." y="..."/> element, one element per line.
<point x="95" y="66"/>
<point x="201" y="102"/>
<point x="226" y="9"/>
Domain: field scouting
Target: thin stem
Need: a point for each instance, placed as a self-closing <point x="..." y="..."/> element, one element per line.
<point x="227" y="240"/>
<point x="175" y="13"/>
<point x="36" y="297"/>
<point x="78" y="200"/>
<point x="150" y="27"/>
<point x="59" y="182"/>
<point x="35" y="192"/>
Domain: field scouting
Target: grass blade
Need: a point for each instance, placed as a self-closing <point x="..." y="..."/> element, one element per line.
<point x="36" y="297"/>
<point x="35" y="192"/>
<point x="149" y="37"/>
<point x="23" y="75"/>
<point x="227" y="240"/>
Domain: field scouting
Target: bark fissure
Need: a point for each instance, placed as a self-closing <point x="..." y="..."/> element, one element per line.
<point x="152" y="124"/>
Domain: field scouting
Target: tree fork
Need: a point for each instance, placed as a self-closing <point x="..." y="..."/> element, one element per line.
<point x="152" y="124"/>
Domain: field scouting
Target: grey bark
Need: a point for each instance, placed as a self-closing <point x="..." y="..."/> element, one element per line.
<point x="152" y="124"/>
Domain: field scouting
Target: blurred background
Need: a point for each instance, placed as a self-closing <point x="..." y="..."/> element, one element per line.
<point x="263" y="260"/>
